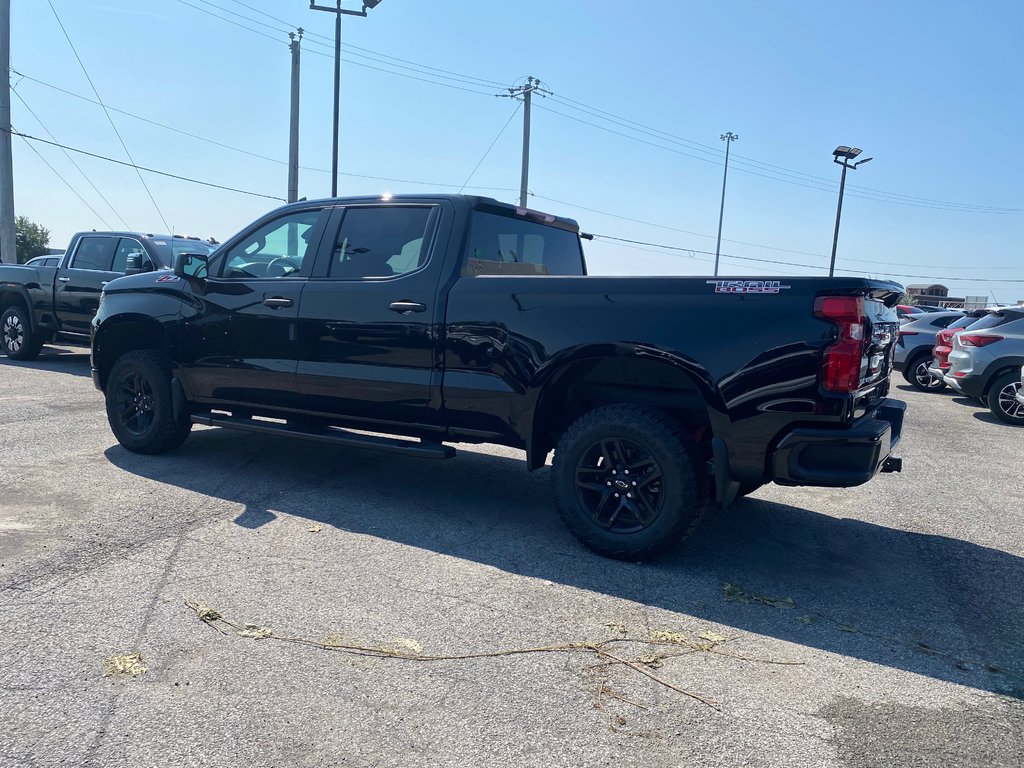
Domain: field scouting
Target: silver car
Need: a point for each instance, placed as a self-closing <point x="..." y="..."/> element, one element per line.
<point x="914" y="348"/>
<point x="985" y="363"/>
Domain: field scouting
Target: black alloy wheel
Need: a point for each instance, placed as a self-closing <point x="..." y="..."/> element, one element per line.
<point x="140" y="403"/>
<point x="618" y="483"/>
<point x="629" y="481"/>
<point x="134" y="401"/>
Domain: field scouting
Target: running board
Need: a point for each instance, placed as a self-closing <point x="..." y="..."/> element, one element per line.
<point x="333" y="435"/>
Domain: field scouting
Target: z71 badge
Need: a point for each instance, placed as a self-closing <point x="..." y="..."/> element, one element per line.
<point x="747" y="286"/>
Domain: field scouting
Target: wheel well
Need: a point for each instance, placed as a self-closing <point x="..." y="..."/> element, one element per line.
<point x="1014" y="368"/>
<point x="587" y="384"/>
<point x="10" y="298"/>
<point x="124" y="337"/>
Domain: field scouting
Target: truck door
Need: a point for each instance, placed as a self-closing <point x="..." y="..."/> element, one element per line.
<point x="76" y="293"/>
<point x="369" y="319"/>
<point x="238" y="331"/>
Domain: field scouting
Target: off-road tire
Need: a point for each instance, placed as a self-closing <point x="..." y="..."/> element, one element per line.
<point x="151" y="370"/>
<point x="17" y="339"/>
<point x="1000" y="397"/>
<point x="915" y="376"/>
<point x="683" y="490"/>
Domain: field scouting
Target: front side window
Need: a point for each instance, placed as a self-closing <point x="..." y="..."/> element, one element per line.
<point x="512" y="245"/>
<point x="128" y="247"/>
<point x="381" y="241"/>
<point x="277" y="249"/>
<point x="95" y="253"/>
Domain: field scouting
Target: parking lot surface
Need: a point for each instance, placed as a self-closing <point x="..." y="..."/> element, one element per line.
<point x="875" y="626"/>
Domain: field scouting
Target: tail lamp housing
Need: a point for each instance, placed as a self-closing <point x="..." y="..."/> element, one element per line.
<point x="841" y="362"/>
<point x="978" y="340"/>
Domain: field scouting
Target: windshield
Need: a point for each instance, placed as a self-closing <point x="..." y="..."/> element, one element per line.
<point x="169" y="247"/>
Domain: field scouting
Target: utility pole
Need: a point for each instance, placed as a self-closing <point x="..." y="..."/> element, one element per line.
<point x="8" y="244"/>
<point x="339" y="12"/>
<point x="293" y="139"/>
<point x="728" y="138"/>
<point x="526" y="91"/>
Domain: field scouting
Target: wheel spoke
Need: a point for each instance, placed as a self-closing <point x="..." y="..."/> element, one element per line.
<point x="608" y="507"/>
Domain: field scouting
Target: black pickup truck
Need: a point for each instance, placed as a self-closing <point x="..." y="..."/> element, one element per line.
<point x="57" y="303"/>
<point x="438" y="319"/>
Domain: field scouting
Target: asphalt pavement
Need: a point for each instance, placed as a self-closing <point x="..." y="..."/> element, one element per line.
<point x="875" y="626"/>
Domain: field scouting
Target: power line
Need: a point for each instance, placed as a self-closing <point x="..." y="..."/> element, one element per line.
<point x="72" y="161"/>
<point x="388" y="57"/>
<point x="821" y="186"/>
<point x="705" y="148"/>
<point x="147" y="170"/>
<point x="66" y="182"/>
<point x="231" y="21"/>
<point x="807" y="266"/>
<point x="490" y="147"/>
<point x="744" y="242"/>
<point x="105" y="112"/>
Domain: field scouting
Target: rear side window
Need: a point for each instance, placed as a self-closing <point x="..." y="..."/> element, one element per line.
<point x="94" y="253"/>
<point x="944" y="322"/>
<point x="381" y="241"/>
<point x="511" y="245"/>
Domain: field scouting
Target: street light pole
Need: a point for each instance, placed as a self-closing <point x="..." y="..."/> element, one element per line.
<point x="339" y="12"/>
<point x="728" y="138"/>
<point x="842" y="156"/>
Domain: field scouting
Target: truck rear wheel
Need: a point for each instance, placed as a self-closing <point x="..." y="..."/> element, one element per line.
<point x="140" y="406"/>
<point x="17" y="340"/>
<point x="629" y="481"/>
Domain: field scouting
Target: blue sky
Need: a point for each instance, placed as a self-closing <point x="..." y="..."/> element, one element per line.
<point x="930" y="90"/>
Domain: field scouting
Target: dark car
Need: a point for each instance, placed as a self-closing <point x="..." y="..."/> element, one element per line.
<point x="450" y="318"/>
<point x="41" y="302"/>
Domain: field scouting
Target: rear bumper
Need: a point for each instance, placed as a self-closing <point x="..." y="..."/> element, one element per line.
<point x="840" y="458"/>
<point x="972" y="386"/>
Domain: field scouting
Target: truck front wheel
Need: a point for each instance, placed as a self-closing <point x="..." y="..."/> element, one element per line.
<point x="17" y="340"/>
<point x="629" y="482"/>
<point x="140" y="406"/>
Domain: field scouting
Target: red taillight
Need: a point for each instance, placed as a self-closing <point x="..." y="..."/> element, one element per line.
<point x="945" y="365"/>
<point x="841" y="363"/>
<point x="977" y="340"/>
<point x="944" y="337"/>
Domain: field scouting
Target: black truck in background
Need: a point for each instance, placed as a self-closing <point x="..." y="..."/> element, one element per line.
<point x="439" y="319"/>
<point x="41" y="303"/>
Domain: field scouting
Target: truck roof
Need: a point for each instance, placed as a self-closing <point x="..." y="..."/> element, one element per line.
<point x="473" y="201"/>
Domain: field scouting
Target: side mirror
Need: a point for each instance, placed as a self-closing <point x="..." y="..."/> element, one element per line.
<point x="136" y="264"/>
<point x="191" y="265"/>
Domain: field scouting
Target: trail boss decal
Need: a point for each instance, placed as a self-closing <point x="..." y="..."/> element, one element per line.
<point x="747" y="286"/>
<point x="168" y="279"/>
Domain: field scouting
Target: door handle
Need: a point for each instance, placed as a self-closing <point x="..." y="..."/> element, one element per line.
<point x="278" y="302"/>
<point x="64" y="279"/>
<point x="407" y="307"/>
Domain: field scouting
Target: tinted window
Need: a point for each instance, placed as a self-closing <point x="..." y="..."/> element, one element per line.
<point x="277" y="249"/>
<point x="381" y="241"/>
<point x="944" y="322"/>
<point x="128" y="247"/>
<point x="168" y="248"/>
<point x="95" y="253"/>
<point x="989" y="321"/>
<point x="512" y="245"/>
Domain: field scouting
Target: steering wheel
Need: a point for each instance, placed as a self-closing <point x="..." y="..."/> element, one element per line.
<point x="283" y="263"/>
